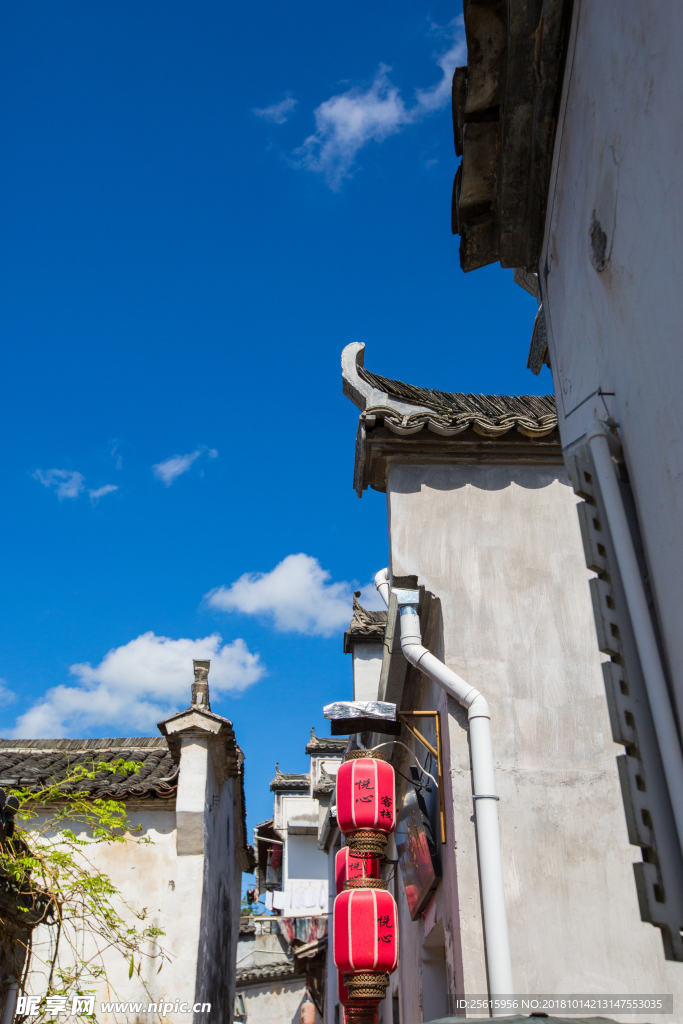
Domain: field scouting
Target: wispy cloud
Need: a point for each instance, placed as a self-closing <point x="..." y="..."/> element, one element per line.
<point x="170" y="469"/>
<point x="138" y="684"/>
<point x="347" y="122"/>
<point x="67" y="483"/>
<point x="297" y="595"/>
<point x="439" y="95"/>
<point x="278" y="113"/>
<point x="100" y="492"/>
<point x="7" y="696"/>
<point x="116" y="454"/>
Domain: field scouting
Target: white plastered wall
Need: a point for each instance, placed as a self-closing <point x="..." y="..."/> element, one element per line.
<point x="182" y="873"/>
<point x="367" y="666"/>
<point x="618" y="155"/>
<point x="305" y="870"/>
<point x="500" y="547"/>
<point x="276" y="1002"/>
<point x="151" y="876"/>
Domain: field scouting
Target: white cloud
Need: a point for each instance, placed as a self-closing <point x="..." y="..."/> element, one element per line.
<point x="67" y="483"/>
<point x="439" y="95"/>
<point x="101" y="491"/>
<point x="351" y="120"/>
<point x="6" y="695"/>
<point x="137" y="685"/>
<point x="116" y="455"/>
<point x="170" y="469"/>
<point x="278" y="113"/>
<point x="371" y="599"/>
<point x="297" y="594"/>
<point x="346" y="123"/>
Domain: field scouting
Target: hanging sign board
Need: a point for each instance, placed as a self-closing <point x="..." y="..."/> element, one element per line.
<point x="417" y="850"/>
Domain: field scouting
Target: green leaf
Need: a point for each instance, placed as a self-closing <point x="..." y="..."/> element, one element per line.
<point x="47" y="861"/>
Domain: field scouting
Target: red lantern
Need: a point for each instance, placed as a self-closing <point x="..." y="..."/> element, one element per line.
<point x="365" y="801"/>
<point x="356" y="1011"/>
<point x="347" y="866"/>
<point x="365" y="937"/>
<point x="355" y="1014"/>
<point x="307" y="1013"/>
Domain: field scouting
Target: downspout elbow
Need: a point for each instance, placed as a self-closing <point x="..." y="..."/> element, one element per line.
<point x="411" y="636"/>
<point x="411" y="639"/>
<point x="478" y="707"/>
<point x="382" y="585"/>
<point x="413" y="652"/>
<point x="421" y="657"/>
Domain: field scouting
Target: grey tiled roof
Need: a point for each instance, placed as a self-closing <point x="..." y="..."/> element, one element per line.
<point x="266" y="831"/>
<point x="280" y="969"/>
<point x="326" y="744"/>
<point x="35" y="763"/>
<point x="366" y="626"/>
<point x="404" y="424"/>
<point x="294" y="780"/>
<point x="492" y="415"/>
<point x="326" y="783"/>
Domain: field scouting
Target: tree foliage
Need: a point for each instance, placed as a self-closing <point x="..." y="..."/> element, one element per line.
<point x="49" y="887"/>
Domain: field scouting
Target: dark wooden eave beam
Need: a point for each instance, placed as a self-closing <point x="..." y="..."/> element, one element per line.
<point x="382" y="448"/>
<point x="505" y="108"/>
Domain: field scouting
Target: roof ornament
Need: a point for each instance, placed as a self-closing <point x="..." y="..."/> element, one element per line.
<point x="406" y="410"/>
<point x="200" y="686"/>
<point x="362" y="388"/>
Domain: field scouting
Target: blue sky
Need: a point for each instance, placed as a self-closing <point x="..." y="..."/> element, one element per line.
<point x="201" y="205"/>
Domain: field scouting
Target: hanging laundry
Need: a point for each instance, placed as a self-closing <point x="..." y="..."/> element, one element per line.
<point x="269" y="901"/>
<point x="303" y="928"/>
<point x="278" y="900"/>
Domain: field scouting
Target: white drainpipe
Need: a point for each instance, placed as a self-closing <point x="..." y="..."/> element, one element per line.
<point x="599" y="438"/>
<point x="382" y="584"/>
<point x="483" y="781"/>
